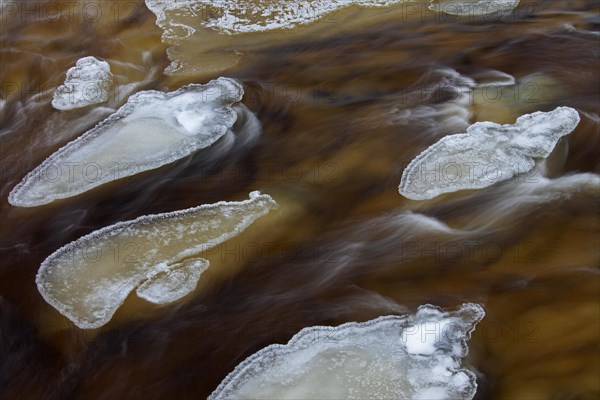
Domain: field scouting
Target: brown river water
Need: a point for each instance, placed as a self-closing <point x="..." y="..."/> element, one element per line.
<point x="345" y="104"/>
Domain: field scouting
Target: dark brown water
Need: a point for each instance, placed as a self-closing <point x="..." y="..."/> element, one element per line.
<point x="343" y="111"/>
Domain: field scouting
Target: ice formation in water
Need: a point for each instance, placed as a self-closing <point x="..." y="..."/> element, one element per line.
<point x="88" y="279"/>
<point x="473" y="7"/>
<point x="87" y="83"/>
<point x="392" y="357"/>
<point x="169" y="286"/>
<point x="487" y="153"/>
<point x="234" y="16"/>
<point x="152" y="129"/>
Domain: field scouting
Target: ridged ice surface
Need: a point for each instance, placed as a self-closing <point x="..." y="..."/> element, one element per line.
<point x="487" y="153"/>
<point x="393" y="357"/>
<point x="88" y="279"/>
<point x="233" y="16"/>
<point x="87" y="83"/>
<point x="473" y="7"/>
<point x="152" y="129"/>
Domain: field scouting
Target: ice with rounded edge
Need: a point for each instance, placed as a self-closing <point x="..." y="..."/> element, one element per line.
<point x="473" y="7"/>
<point x="234" y="16"/>
<point x="87" y="83"/>
<point x="169" y="286"/>
<point x="88" y="279"/>
<point x="151" y="130"/>
<point x="487" y="153"/>
<point x="391" y="357"/>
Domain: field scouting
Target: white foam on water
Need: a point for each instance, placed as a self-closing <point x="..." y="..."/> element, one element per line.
<point x="473" y="7"/>
<point x="88" y="279"/>
<point x="487" y="153"/>
<point x="87" y="83"/>
<point x="151" y="130"/>
<point x="374" y="359"/>
<point x="441" y="101"/>
<point x="235" y="16"/>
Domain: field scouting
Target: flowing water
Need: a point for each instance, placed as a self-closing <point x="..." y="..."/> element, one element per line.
<point x="345" y="104"/>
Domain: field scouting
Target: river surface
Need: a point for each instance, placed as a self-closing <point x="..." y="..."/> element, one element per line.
<point x="345" y="104"/>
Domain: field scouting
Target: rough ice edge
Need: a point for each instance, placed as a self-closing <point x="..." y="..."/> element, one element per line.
<point x="479" y="7"/>
<point x="73" y="93"/>
<point x="473" y="130"/>
<point x="302" y="340"/>
<point x="159" y="267"/>
<point x="235" y="20"/>
<point x="16" y="196"/>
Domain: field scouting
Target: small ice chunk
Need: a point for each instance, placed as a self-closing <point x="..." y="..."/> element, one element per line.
<point x="88" y="279"/>
<point x="169" y="286"/>
<point x="152" y="129"/>
<point x="370" y="360"/>
<point x="487" y="153"/>
<point x="473" y="7"/>
<point x="87" y="83"/>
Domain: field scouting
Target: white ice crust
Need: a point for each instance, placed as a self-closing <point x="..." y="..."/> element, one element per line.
<point x="88" y="279"/>
<point x="392" y="357"/>
<point x="234" y="16"/>
<point x="152" y="129"/>
<point x="473" y="7"/>
<point x="87" y="83"/>
<point x="487" y="153"/>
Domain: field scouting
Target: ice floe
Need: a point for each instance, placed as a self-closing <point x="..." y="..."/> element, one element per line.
<point x="487" y="153"/>
<point x="88" y="279"/>
<point x="87" y="83"/>
<point x="233" y="16"/>
<point x="392" y="357"/>
<point x="152" y="129"/>
<point x="473" y="7"/>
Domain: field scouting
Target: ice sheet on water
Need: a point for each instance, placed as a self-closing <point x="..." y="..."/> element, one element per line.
<point x="234" y="16"/>
<point x="473" y="7"/>
<point x="152" y="129"/>
<point x="88" y="279"/>
<point x="87" y="83"/>
<point x="487" y="153"/>
<point x="392" y="357"/>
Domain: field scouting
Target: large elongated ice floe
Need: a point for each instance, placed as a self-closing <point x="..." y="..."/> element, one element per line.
<point x="234" y="16"/>
<point x="88" y="279"/>
<point x="152" y="129"/>
<point x="473" y="7"/>
<point x="393" y="357"/>
<point x="487" y="153"/>
<point x="87" y="83"/>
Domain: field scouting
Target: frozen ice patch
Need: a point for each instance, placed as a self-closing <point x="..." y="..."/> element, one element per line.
<point x="399" y="357"/>
<point x="473" y="7"/>
<point x="88" y="279"/>
<point x="233" y="16"/>
<point x="87" y="83"/>
<point x="151" y="130"/>
<point x="487" y="153"/>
